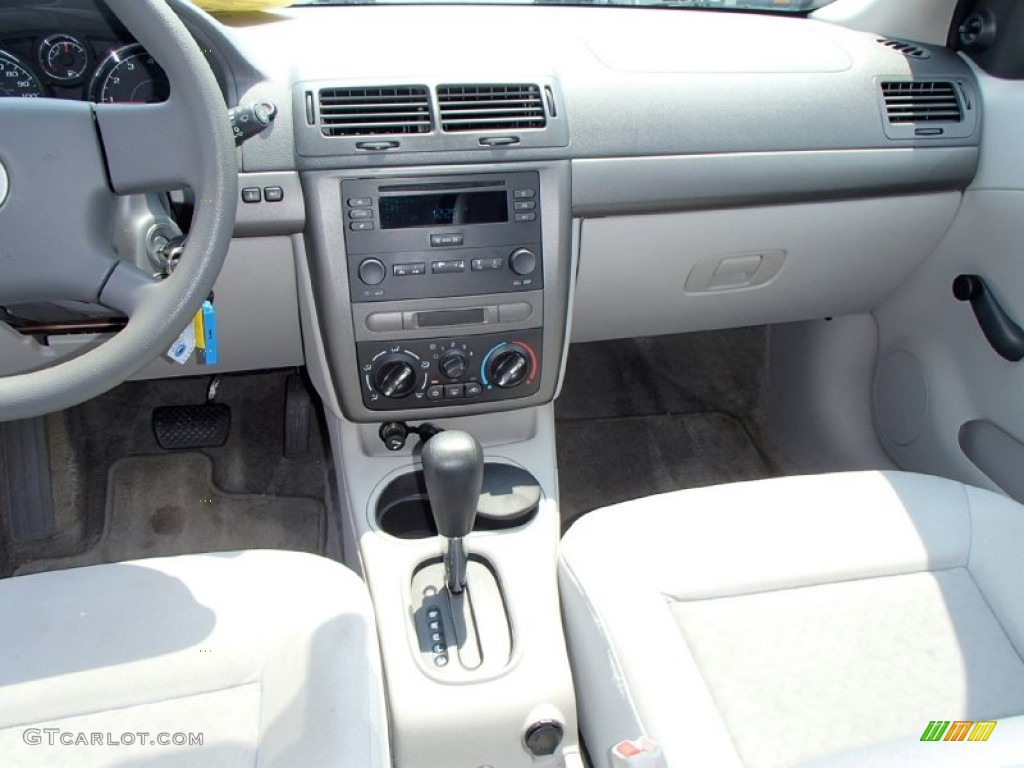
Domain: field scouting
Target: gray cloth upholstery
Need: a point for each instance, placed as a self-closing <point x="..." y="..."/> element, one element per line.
<point x="786" y="621"/>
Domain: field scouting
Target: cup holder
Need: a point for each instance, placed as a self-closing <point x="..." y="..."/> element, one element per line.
<point x="509" y="498"/>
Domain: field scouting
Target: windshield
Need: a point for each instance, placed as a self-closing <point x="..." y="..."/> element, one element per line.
<point x="776" y="6"/>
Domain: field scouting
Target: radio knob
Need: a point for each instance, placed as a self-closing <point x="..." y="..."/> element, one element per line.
<point x="395" y="378"/>
<point x="509" y="368"/>
<point x="522" y="261"/>
<point x="454" y="365"/>
<point x="372" y="271"/>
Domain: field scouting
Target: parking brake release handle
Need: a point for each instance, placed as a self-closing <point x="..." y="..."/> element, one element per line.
<point x="1005" y="336"/>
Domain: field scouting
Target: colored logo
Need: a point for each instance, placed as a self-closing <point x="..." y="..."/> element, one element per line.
<point x="958" y="730"/>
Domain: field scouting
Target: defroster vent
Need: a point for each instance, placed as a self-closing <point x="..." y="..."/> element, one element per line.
<point x="921" y="102"/>
<point x="375" y="111"/>
<point x="490" y="107"/>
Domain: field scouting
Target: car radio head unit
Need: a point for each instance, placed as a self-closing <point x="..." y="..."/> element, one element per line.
<point x="442" y="236"/>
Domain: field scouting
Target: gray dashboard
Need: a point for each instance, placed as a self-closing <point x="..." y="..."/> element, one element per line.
<point x="627" y="85"/>
<point x="632" y="117"/>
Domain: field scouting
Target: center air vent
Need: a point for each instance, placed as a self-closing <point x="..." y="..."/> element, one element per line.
<point x="910" y="50"/>
<point x="490" y="107"/>
<point x="921" y="102"/>
<point x="376" y="111"/>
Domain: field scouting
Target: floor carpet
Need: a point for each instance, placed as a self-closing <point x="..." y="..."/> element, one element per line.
<point x="169" y="505"/>
<point x="643" y="416"/>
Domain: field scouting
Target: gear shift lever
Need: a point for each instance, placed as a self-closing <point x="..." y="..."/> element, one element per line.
<point x="453" y="468"/>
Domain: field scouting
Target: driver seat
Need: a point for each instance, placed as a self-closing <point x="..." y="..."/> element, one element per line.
<point x="828" y="620"/>
<point x="250" y="658"/>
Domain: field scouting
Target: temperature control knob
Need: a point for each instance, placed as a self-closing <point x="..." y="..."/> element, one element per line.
<point x="454" y="365"/>
<point x="522" y="261"/>
<point x="395" y="378"/>
<point x="509" y="368"/>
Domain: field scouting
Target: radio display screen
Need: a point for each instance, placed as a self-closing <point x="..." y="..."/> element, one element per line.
<point x="442" y="209"/>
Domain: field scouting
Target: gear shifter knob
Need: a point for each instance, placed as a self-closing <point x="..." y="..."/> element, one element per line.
<point x="453" y="468"/>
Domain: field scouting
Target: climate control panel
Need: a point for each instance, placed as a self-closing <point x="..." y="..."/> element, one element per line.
<point x="426" y="373"/>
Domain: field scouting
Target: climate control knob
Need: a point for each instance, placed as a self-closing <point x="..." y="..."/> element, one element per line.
<point x="522" y="261"/>
<point x="509" y="368"/>
<point x="454" y="365"/>
<point x="395" y="378"/>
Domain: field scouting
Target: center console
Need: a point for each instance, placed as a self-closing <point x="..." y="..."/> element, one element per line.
<point x="441" y="295"/>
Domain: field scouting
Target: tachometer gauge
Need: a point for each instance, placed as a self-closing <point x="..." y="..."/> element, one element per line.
<point x="17" y="80"/>
<point x="64" y="58"/>
<point x="129" y="75"/>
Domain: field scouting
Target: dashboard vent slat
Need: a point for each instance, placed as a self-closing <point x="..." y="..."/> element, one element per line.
<point x="375" y="111"/>
<point x="490" y="107"/>
<point x="910" y="50"/>
<point x="921" y="102"/>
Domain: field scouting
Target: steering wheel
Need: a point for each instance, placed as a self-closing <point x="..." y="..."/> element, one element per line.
<point x="65" y="163"/>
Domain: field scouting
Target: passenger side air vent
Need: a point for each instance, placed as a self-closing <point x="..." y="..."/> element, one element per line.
<point x="921" y="102"/>
<point x="376" y="111"/>
<point x="490" y="107"/>
<point x="910" y="50"/>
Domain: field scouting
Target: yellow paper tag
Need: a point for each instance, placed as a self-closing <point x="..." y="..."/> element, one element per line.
<point x="217" y="6"/>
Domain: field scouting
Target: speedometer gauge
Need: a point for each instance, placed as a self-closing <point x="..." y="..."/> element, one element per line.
<point x="16" y="79"/>
<point x="63" y="58"/>
<point x="129" y="75"/>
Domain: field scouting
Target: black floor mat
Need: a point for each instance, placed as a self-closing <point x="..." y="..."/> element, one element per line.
<point x="643" y="416"/>
<point x="168" y="505"/>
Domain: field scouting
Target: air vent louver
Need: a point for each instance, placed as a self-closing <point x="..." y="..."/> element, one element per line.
<point x="490" y="107"/>
<point x="376" y="111"/>
<point x="910" y="50"/>
<point x="921" y="102"/>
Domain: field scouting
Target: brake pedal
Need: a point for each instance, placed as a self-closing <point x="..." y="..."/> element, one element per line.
<point x="176" y="427"/>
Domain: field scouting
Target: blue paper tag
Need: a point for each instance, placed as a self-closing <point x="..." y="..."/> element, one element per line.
<point x="208" y="350"/>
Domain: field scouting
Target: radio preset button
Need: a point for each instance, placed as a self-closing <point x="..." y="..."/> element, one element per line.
<point x="526" y="217"/>
<point x="524" y="193"/>
<point x="440" y="241"/>
<point x="486" y="265"/>
<point x="360" y="202"/>
<point x="361" y="213"/>
<point x="525" y="205"/>
<point x="360" y="226"/>
<point x="372" y="271"/>
<point x="447" y="267"/>
<point x="405" y="270"/>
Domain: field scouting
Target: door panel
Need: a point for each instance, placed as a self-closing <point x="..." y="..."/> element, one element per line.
<point x="939" y="386"/>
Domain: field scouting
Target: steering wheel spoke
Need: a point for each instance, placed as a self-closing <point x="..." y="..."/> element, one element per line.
<point x="148" y="147"/>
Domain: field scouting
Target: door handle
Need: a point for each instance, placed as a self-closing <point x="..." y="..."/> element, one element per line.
<point x="1005" y="336"/>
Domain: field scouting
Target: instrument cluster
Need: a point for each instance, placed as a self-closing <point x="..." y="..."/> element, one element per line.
<point x="59" y="64"/>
